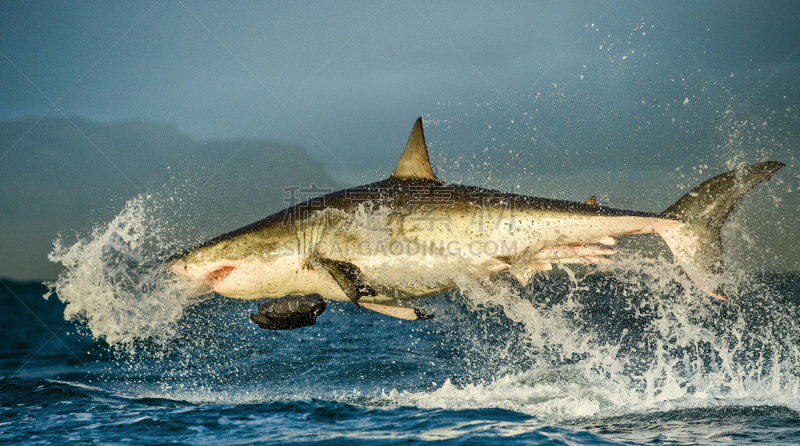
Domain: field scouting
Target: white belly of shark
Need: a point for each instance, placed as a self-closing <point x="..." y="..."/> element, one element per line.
<point x="384" y="244"/>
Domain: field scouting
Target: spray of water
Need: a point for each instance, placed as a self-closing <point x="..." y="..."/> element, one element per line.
<point x="632" y="336"/>
<point x="113" y="280"/>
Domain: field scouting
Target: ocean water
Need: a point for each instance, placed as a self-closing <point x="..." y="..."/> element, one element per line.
<point x="627" y="353"/>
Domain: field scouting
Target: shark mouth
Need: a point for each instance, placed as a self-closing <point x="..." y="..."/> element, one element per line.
<point x="218" y="275"/>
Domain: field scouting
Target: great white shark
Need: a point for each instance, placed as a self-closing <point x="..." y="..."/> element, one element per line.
<point x="412" y="235"/>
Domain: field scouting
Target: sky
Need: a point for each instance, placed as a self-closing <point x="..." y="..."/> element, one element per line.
<point x="557" y="99"/>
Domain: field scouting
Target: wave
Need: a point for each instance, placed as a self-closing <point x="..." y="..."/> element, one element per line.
<point x="113" y="280"/>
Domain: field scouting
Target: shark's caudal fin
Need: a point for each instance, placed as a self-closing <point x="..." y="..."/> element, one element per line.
<point x="696" y="244"/>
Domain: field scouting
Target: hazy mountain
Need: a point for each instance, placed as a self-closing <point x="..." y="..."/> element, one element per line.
<point x="67" y="175"/>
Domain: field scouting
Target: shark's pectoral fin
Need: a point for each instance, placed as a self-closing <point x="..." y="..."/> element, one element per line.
<point x="349" y="278"/>
<point x="289" y="312"/>
<point x="407" y="313"/>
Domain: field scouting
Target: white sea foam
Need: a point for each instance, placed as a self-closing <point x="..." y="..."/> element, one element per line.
<point x="682" y="354"/>
<point x="114" y="282"/>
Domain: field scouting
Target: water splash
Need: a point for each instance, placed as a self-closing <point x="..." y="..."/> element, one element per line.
<point x="634" y="336"/>
<point x="113" y="280"/>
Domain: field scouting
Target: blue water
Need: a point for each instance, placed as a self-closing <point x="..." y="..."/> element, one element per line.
<point x="608" y="357"/>
<point x="118" y="351"/>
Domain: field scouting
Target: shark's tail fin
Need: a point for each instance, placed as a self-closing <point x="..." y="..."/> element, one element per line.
<point x="696" y="244"/>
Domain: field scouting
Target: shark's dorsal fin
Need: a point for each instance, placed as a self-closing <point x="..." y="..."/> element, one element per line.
<point x="415" y="162"/>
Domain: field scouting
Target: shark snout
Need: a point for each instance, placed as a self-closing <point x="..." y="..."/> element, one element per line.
<point x="209" y="274"/>
<point x="250" y="277"/>
<point x="177" y="265"/>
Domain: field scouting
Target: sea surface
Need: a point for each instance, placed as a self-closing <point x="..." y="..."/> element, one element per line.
<point x="627" y="353"/>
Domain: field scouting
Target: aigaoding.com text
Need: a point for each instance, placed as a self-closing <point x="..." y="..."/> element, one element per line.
<point x="474" y="248"/>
